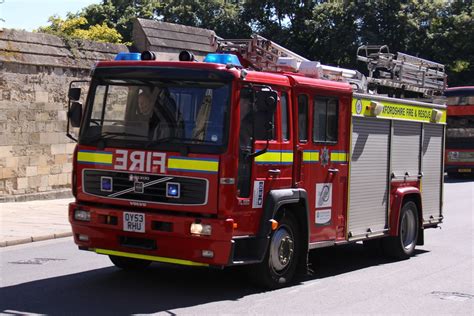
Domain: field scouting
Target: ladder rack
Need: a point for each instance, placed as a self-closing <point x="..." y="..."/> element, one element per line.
<point x="263" y="54"/>
<point x="399" y="72"/>
<point x="402" y="71"/>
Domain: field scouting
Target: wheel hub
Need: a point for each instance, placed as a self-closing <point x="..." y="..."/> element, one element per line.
<point x="281" y="249"/>
<point x="408" y="229"/>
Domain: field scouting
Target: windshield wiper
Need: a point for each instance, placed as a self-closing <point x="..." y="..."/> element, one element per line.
<point x="110" y="135"/>
<point x="189" y="141"/>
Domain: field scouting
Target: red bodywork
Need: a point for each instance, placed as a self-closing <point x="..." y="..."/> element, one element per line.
<point x="231" y="216"/>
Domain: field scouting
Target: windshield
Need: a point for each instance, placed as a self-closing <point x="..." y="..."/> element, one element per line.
<point x="460" y="132"/>
<point x="157" y="114"/>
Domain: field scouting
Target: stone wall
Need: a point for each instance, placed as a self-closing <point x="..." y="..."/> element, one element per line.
<point x="35" y="72"/>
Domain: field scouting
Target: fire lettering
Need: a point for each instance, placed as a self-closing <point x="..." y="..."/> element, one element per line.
<point x="140" y="161"/>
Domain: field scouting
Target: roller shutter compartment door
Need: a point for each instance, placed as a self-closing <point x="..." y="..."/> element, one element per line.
<point x="432" y="171"/>
<point x="368" y="196"/>
<point x="406" y="149"/>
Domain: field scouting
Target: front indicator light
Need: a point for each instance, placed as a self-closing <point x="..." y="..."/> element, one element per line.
<point x="207" y="253"/>
<point x="200" y="229"/>
<point x="83" y="237"/>
<point x="81" y="215"/>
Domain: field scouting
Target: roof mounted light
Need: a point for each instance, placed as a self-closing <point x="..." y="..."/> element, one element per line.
<point x="186" y="56"/>
<point x="224" y="59"/>
<point x="148" y="55"/>
<point x="127" y="56"/>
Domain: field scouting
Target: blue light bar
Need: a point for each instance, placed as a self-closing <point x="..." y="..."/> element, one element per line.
<point x="223" y="59"/>
<point x="128" y="56"/>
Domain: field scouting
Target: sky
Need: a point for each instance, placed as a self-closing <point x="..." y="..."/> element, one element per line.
<point x="31" y="14"/>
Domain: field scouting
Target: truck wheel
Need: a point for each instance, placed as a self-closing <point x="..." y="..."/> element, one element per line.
<point x="403" y="245"/>
<point x="279" y="265"/>
<point x="129" y="263"/>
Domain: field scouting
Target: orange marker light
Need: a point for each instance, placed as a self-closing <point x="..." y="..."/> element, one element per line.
<point x="274" y="224"/>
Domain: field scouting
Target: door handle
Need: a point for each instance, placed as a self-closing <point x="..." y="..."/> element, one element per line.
<point x="274" y="172"/>
<point x="333" y="170"/>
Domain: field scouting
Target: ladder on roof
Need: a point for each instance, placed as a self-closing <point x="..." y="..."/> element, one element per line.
<point x="402" y="71"/>
<point x="263" y="54"/>
<point x="398" y="71"/>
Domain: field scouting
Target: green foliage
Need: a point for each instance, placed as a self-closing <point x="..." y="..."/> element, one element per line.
<point x="324" y="30"/>
<point x="77" y="27"/>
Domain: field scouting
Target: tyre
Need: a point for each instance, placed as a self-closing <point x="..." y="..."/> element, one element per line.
<point x="129" y="263"/>
<point x="403" y="245"/>
<point x="279" y="265"/>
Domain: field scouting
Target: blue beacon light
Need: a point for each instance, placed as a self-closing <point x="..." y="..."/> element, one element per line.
<point x="128" y="56"/>
<point x="223" y="59"/>
<point x="173" y="190"/>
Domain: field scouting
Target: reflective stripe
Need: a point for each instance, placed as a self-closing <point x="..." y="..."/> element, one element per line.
<point x="393" y="110"/>
<point x="269" y="157"/>
<point x="95" y="157"/>
<point x="152" y="258"/>
<point x="275" y="157"/>
<point x="193" y="164"/>
<point x="338" y="156"/>
<point x="286" y="157"/>
<point x="311" y="156"/>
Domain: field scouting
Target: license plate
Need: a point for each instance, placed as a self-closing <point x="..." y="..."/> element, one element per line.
<point x="134" y="222"/>
<point x="464" y="170"/>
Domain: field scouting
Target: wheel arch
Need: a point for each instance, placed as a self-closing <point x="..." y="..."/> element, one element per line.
<point x="294" y="201"/>
<point x="401" y="196"/>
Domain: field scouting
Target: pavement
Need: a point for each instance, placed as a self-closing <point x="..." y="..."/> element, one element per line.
<point x="30" y="221"/>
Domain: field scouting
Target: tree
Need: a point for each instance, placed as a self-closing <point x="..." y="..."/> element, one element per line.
<point x="323" y="30"/>
<point x="77" y="27"/>
<point x="119" y="14"/>
<point x="223" y="17"/>
<point x="1" y="2"/>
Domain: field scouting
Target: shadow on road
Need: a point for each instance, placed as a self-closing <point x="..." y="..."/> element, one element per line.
<point x="160" y="288"/>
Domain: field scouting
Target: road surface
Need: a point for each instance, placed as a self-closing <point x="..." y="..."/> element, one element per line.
<point x="54" y="278"/>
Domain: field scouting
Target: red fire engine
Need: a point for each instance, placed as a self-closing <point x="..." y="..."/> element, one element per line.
<point x="255" y="156"/>
<point x="460" y="131"/>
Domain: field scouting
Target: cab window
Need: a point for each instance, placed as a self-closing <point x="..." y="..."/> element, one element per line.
<point x="325" y="119"/>
<point x="303" y="118"/>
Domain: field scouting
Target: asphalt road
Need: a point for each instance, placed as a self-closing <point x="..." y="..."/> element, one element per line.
<point x="54" y="278"/>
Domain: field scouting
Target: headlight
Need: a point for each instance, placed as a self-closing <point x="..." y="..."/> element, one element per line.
<point x="81" y="215"/>
<point x="200" y="229"/>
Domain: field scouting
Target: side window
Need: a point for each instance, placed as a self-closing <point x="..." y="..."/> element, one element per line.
<point x="303" y="118"/>
<point x="285" y="126"/>
<point x="325" y="119"/>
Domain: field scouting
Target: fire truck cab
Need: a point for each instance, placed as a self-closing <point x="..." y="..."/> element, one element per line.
<point x="214" y="164"/>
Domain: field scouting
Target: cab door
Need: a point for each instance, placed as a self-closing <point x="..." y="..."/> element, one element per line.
<point x="264" y="172"/>
<point x="322" y="144"/>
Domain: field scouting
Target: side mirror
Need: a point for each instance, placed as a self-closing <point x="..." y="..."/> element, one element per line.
<point x="74" y="94"/>
<point x="75" y="114"/>
<point x="266" y="101"/>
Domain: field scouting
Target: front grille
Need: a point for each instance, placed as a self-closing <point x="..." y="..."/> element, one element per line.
<point x="135" y="242"/>
<point x="144" y="187"/>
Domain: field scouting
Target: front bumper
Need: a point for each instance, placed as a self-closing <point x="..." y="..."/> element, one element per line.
<point x="167" y="238"/>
